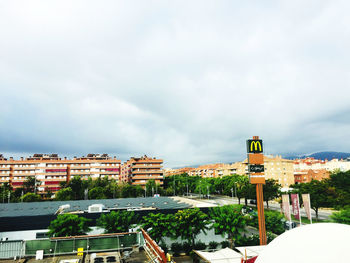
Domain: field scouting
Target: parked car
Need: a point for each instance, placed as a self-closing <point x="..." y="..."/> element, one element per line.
<point x="289" y="225"/>
<point x="252" y="202"/>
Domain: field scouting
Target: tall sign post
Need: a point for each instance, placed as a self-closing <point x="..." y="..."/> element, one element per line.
<point x="257" y="177"/>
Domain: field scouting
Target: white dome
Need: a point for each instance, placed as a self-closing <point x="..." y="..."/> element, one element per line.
<point x="321" y="243"/>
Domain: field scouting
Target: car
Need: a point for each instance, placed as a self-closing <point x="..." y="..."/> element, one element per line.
<point x="289" y="225"/>
<point x="252" y="202"/>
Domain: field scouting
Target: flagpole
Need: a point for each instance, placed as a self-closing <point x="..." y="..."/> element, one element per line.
<point x="299" y="207"/>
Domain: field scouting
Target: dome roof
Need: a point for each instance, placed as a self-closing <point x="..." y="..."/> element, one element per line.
<point x="321" y="243"/>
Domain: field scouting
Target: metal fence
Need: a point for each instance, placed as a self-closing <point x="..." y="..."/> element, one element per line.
<point x="12" y="248"/>
<point x="56" y="246"/>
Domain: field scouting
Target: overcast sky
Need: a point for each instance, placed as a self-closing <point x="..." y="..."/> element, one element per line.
<point x="186" y="81"/>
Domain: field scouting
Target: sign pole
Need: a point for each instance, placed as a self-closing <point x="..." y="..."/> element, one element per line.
<point x="257" y="176"/>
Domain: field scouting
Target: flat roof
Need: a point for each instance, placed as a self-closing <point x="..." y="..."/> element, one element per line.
<point x="51" y="207"/>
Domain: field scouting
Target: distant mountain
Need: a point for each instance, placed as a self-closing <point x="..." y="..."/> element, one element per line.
<point x="322" y="155"/>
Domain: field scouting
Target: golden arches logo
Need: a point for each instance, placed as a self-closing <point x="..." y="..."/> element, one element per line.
<point x="255" y="144"/>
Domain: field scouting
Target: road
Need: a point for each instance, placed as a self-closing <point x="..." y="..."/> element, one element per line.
<point x="225" y="200"/>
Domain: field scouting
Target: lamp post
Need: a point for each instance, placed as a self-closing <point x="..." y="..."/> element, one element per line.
<point x="208" y="191"/>
<point x="145" y="191"/>
<point x="235" y="190"/>
<point x="232" y="192"/>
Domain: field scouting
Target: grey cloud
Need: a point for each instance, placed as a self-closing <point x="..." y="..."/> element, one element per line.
<point x="185" y="81"/>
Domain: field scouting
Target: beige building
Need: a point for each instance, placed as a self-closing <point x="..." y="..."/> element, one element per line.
<point x="276" y="168"/>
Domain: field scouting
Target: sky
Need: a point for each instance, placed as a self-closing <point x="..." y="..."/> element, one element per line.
<point x="185" y="81"/>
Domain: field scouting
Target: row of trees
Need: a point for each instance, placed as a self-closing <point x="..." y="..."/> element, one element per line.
<point x="186" y="224"/>
<point x="333" y="192"/>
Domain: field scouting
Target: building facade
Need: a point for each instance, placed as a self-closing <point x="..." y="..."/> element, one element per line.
<point x="50" y="170"/>
<point x="309" y="175"/>
<point x="138" y="171"/>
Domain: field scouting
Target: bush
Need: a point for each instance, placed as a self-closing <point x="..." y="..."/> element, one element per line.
<point x="176" y="248"/>
<point x="200" y="246"/>
<point x="225" y="244"/>
<point x="164" y="247"/>
<point x="342" y="217"/>
<point x="187" y="248"/>
<point x="213" y="244"/>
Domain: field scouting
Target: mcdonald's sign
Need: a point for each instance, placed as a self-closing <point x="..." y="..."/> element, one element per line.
<point x="254" y="146"/>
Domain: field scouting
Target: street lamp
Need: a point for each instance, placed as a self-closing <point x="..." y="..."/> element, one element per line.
<point x="232" y="192"/>
<point x="235" y="190"/>
<point x="145" y="191"/>
<point x="208" y="191"/>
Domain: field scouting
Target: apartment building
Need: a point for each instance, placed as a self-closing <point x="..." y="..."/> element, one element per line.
<point x="306" y="176"/>
<point x="311" y="163"/>
<point x="171" y="172"/>
<point x="206" y="171"/>
<point x="138" y="171"/>
<point x="49" y="169"/>
<point x="276" y="168"/>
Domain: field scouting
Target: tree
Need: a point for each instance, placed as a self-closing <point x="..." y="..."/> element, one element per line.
<point x="270" y="190"/>
<point x="116" y="222"/>
<point x="30" y="184"/>
<point x="128" y="190"/>
<point x="274" y="222"/>
<point x="76" y="185"/>
<point x="65" y="194"/>
<point x="97" y="193"/>
<point x="158" y="226"/>
<point x="189" y="223"/>
<point x="68" y="225"/>
<point x="229" y="220"/>
<point x="31" y="197"/>
<point x="342" y="217"/>
<point x="321" y="193"/>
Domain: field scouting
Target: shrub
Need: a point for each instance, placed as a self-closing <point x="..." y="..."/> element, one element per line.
<point x="225" y="244"/>
<point x="200" y="246"/>
<point x="176" y="248"/>
<point x="213" y="244"/>
<point x="164" y="247"/>
<point x="187" y="248"/>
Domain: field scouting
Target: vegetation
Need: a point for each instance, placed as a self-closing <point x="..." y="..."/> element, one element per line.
<point x="229" y="220"/>
<point x="31" y="197"/>
<point x="158" y="226"/>
<point x="342" y="217"/>
<point x="117" y="222"/>
<point x="188" y="223"/>
<point x="68" y="225"/>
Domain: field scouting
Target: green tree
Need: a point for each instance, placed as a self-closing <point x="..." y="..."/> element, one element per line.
<point x="270" y="190"/>
<point x="31" y="197"/>
<point x="30" y="184"/>
<point x="189" y="223"/>
<point x="68" y="225"/>
<point x="128" y="190"/>
<point x="158" y="225"/>
<point x="65" y="194"/>
<point x="229" y="220"/>
<point x="321" y="193"/>
<point x="76" y="184"/>
<point x="341" y="182"/>
<point x="342" y="217"/>
<point x="116" y="222"/>
<point x="97" y="193"/>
